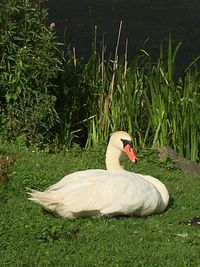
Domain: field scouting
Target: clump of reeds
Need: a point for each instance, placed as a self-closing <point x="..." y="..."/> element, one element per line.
<point x="143" y="97"/>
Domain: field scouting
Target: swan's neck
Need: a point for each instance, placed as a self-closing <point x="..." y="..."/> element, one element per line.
<point x="160" y="187"/>
<point x="113" y="158"/>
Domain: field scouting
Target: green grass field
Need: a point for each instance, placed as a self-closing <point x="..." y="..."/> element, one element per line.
<point x="29" y="236"/>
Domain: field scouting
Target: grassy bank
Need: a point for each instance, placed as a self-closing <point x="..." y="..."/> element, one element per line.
<point x="31" y="237"/>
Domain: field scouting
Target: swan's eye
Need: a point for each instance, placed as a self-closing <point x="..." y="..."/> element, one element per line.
<point x="127" y="142"/>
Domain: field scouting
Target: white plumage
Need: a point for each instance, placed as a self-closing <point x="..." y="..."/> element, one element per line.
<point x="105" y="192"/>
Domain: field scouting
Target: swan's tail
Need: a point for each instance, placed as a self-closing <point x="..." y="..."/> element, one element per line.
<point x="45" y="199"/>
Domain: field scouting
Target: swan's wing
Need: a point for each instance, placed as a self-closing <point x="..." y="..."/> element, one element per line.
<point x="108" y="193"/>
<point x="74" y="194"/>
<point x="76" y="177"/>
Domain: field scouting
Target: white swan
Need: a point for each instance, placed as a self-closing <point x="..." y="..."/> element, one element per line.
<point x="105" y="192"/>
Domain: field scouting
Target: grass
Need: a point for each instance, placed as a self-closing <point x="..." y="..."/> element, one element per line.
<point x="29" y="236"/>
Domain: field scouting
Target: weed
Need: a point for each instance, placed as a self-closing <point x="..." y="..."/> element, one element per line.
<point x="6" y="165"/>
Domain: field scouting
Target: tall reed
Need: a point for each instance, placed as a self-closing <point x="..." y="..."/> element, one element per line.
<point x="186" y="120"/>
<point x="119" y="90"/>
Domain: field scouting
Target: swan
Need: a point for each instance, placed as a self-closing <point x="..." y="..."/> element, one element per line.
<point x="111" y="192"/>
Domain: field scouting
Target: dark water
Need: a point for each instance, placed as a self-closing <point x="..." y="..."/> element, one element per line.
<point x="142" y="19"/>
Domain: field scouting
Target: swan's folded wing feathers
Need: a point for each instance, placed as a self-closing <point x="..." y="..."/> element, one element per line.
<point x="79" y="176"/>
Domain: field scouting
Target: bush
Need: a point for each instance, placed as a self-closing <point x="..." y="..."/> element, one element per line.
<point x="29" y="63"/>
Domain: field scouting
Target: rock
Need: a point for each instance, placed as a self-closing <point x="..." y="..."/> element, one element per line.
<point x="193" y="222"/>
<point x="189" y="167"/>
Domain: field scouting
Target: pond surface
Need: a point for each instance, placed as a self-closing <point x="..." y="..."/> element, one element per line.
<point x="142" y="20"/>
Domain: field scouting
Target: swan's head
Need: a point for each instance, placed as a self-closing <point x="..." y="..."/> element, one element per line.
<point x="122" y="141"/>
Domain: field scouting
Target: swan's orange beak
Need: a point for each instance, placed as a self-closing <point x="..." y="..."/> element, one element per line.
<point x="130" y="153"/>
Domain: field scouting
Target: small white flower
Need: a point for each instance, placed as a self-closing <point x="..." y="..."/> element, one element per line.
<point x="52" y="26"/>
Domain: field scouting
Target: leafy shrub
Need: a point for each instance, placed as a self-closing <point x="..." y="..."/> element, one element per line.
<point x="29" y="62"/>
